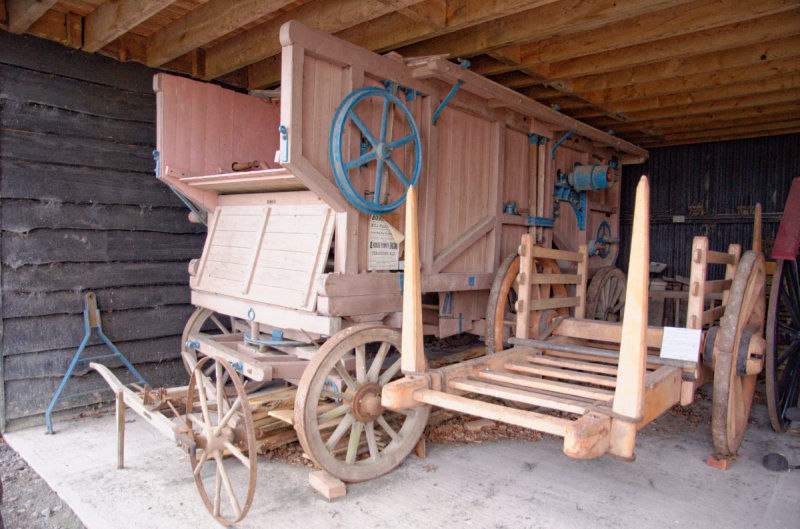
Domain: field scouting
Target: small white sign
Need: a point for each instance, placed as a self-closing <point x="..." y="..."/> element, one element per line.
<point x="384" y="248"/>
<point x="678" y="219"/>
<point x="681" y="344"/>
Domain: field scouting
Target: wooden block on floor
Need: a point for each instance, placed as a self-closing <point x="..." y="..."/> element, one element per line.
<point x="478" y="425"/>
<point x="419" y="449"/>
<point x="720" y="464"/>
<point x="327" y="485"/>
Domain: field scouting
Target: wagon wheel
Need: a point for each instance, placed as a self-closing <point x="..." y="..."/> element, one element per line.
<point x="224" y="426"/>
<point x="338" y="412"/>
<point x="500" y="311"/>
<point x="378" y="149"/>
<point x="605" y="297"/>
<point x="783" y="344"/>
<point x="735" y="371"/>
<point x="211" y="323"/>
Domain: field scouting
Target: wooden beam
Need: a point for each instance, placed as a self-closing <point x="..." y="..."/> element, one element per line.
<point x="205" y="24"/>
<point x="727" y="137"/>
<point x="432" y="13"/>
<point x="750" y="55"/>
<point x="113" y="19"/>
<point x="725" y="119"/>
<point x="748" y="130"/>
<point x="396" y="29"/>
<point x="23" y="13"/>
<point x="689" y="83"/>
<point x="412" y="358"/>
<point x="462" y="242"/>
<point x="262" y="41"/>
<point x="534" y="24"/>
<point x="684" y="19"/>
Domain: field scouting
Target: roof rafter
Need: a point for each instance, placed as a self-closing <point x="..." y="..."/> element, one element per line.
<point x="113" y="19"/>
<point x="23" y="13"/>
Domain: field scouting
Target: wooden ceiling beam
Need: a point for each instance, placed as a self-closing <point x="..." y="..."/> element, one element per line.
<point x="752" y="54"/>
<point x="694" y="124"/>
<point x="23" y="13"/>
<point x="735" y="117"/>
<point x="262" y="41"/>
<point x="685" y="19"/>
<point x="205" y="24"/>
<point x="752" y="89"/>
<point x="397" y="29"/>
<point x="113" y="19"/>
<point x="767" y="129"/>
<point x="689" y="83"/>
<point x="542" y="22"/>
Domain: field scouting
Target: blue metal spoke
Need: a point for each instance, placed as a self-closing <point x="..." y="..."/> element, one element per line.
<point x="361" y="160"/>
<point x="402" y="141"/>
<point x="396" y="170"/>
<point x="384" y="115"/>
<point x="378" y="181"/>
<point x="363" y="128"/>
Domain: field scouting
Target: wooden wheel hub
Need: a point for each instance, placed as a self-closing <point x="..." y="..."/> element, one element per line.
<point x="366" y="404"/>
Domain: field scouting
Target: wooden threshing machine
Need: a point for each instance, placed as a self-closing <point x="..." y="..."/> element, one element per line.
<point x="307" y="271"/>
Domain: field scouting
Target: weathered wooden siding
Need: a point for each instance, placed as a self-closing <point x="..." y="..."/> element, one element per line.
<point x="709" y="189"/>
<point x="82" y="211"/>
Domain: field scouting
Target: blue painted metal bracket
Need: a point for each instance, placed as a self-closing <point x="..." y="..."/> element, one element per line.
<point x="564" y="192"/>
<point x="536" y="139"/>
<point x="91" y="321"/>
<point x="544" y="222"/>
<point x="559" y="142"/>
<point x="446" y="100"/>
<point x="186" y="202"/>
<point x="284" y="143"/>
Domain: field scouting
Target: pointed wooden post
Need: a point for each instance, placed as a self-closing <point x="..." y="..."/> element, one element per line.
<point x="629" y="393"/>
<point x="757" y="228"/>
<point x="413" y="352"/>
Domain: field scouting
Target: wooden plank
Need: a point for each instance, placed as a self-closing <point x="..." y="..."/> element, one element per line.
<point x="718" y="285"/>
<point x="547" y="385"/>
<point x="566" y="363"/>
<point x="562" y="374"/>
<point x="662" y="391"/>
<point x="495" y="412"/>
<point x="205" y="24"/>
<point x="250" y="182"/>
<point x="518" y="395"/>
<point x="580" y="289"/>
<point x="462" y="242"/>
<point x="629" y="392"/>
<point x="713" y="257"/>
<point x="697" y="280"/>
<point x="555" y="279"/>
<point x="75" y="277"/>
<point x="23" y="13"/>
<point x="712" y="315"/>
<point x="603" y="331"/>
<point x="552" y="253"/>
<point x="525" y="251"/>
<point x="553" y="303"/>
<point x="113" y="19"/>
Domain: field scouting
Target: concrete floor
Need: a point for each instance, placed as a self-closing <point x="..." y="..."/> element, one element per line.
<point x="491" y="485"/>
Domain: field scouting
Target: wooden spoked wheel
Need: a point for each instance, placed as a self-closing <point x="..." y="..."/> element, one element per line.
<point x="783" y="344"/>
<point x="222" y="425"/>
<point x="501" y="316"/>
<point x="742" y="323"/>
<point x="213" y="324"/>
<point x="338" y="414"/>
<point x="605" y="297"/>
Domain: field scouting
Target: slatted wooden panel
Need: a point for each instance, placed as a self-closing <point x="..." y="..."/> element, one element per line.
<point x="516" y="184"/>
<point x="270" y="254"/>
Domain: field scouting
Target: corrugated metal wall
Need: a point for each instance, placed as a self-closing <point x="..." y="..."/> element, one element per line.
<point x="710" y="189"/>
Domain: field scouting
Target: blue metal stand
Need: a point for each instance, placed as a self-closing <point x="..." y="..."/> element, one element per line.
<point x="91" y="320"/>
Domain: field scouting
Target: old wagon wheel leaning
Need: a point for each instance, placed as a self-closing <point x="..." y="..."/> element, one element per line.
<point x="377" y="150"/>
<point x="338" y="414"/>
<point x="210" y="322"/>
<point x="500" y="311"/>
<point x="783" y="344"/>
<point x="221" y="424"/>
<point x="605" y="297"/>
<point x="738" y="354"/>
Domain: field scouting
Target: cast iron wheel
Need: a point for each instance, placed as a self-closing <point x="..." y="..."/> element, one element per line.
<point x="224" y="426"/>
<point x="500" y="309"/>
<point x="213" y="324"/>
<point x="783" y="344"/>
<point x="339" y="394"/>
<point x="733" y="386"/>
<point x="605" y="297"/>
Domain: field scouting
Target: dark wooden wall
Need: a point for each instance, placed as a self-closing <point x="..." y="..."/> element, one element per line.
<point x="81" y="210"/>
<point x="721" y="181"/>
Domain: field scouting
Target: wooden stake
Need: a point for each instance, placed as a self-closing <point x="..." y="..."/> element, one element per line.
<point x="413" y="352"/>
<point x="757" y="228"/>
<point x="629" y="393"/>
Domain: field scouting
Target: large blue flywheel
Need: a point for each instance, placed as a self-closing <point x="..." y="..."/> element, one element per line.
<point x="377" y="148"/>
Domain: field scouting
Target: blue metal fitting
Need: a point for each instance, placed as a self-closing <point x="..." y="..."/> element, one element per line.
<point x="192" y="344"/>
<point x="510" y="208"/>
<point x="544" y="222"/>
<point x="591" y="177"/>
<point x="284" y="143"/>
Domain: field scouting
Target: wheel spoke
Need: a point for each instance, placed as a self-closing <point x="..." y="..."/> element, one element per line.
<point x="352" y="445"/>
<point x="388" y="429"/>
<point x="396" y="170"/>
<point x="219" y="324"/>
<point x="228" y="487"/>
<point x="345" y="375"/>
<point x="196" y="420"/>
<point x="337" y="434"/>
<point x="402" y="141"/>
<point x="377" y="362"/>
<point x="238" y="454"/>
<point x="220" y="388"/>
<point x="336" y="395"/>
<point x="384" y="115"/>
<point x="329" y="415"/>
<point x="360" y="160"/>
<point x="372" y="443"/>
<point x="203" y="401"/>
<point x="217" y="490"/>
<point x="376" y="199"/>
<point x="363" y="128"/>
<point x="237" y="403"/>
<point x="200" y="463"/>
<point x="361" y="364"/>
<point x="387" y="375"/>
